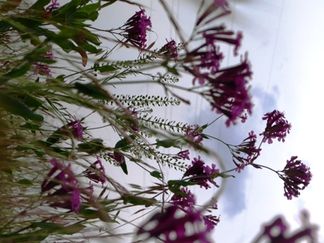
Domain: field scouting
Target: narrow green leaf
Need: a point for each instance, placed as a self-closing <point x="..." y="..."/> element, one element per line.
<point x="137" y="200"/>
<point x="156" y="174"/>
<point x="16" y="107"/>
<point x="91" y="90"/>
<point x="15" y="72"/>
<point x="124" y="167"/>
<point x="105" y="68"/>
<point x="92" y="147"/>
<point x="167" y="143"/>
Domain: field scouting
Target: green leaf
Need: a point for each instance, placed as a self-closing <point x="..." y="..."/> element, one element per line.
<point x="91" y="90"/>
<point x="40" y="4"/>
<point x="30" y="100"/>
<point x="137" y="200"/>
<point x="124" y="167"/>
<point x="92" y="147"/>
<point x="31" y="126"/>
<point x="16" y="107"/>
<point x="156" y="174"/>
<point x="57" y="135"/>
<point x="89" y="213"/>
<point x="90" y="11"/>
<point x="15" y="72"/>
<point x="124" y="144"/>
<point x="71" y="229"/>
<point x="174" y="185"/>
<point x="105" y="68"/>
<point x="25" y="182"/>
<point x="167" y="143"/>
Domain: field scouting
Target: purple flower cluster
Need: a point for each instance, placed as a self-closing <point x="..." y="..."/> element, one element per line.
<point x="207" y="57"/>
<point x="201" y="174"/>
<point x="96" y="172"/>
<point x="210" y="221"/>
<point x="184" y="154"/>
<point x="42" y="68"/>
<point x="54" y="4"/>
<point x="194" y="134"/>
<point x="221" y="3"/>
<point x="62" y="187"/>
<point x="170" y="226"/>
<point x="277" y="232"/>
<point x="228" y="92"/>
<point x="245" y="153"/>
<point x="277" y="126"/>
<point x="136" y="28"/>
<point x="296" y="177"/>
<point x="184" y="199"/>
<point x="76" y="128"/>
<point x="170" y="49"/>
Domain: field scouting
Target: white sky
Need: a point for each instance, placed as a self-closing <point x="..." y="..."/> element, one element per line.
<point x="284" y="39"/>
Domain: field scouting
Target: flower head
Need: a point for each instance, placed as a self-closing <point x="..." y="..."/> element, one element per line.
<point x="184" y="154"/>
<point x="228" y="92"/>
<point x="207" y="57"/>
<point x="221" y="3"/>
<point x="53" y="6"/>
<point x="201" y="174"/>
<point x="171" y="226"/>
<point x="62" y="187"/>
<point x="42" y="68"/>
<point x="185" y="199"/>
<point x="277" y="126"/>
<point x="96" y="172"/>
<point x="210" y="221"/>
<point x="277" y="231"/>
<point x="245" y="153"/>
<point x="194" y="134"/>
<point x="170" y="49"/>
<point x="136" y="28"/>
<point x="77" y="129"/>
<point x="296" y="177"/>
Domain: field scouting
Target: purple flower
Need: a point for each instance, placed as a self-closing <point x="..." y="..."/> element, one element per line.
<point x="276" y="232"/>
<point x="136" y="28"/>
<point x="77" y="129"/>
<point x="96" y="172"/>
<point x="296" y="177"/>
<point x="184" y="154"/>
<point x="194" y="134"/>
<point x="276" y="229"/>
<point x="228" y="92"/>
<point x="206" y="58"/>
<point x="277" y="126"/>
<point x="245" y="153"/>
<point x="172" y="226"/>
<point x="220" y="34"/>
<point x="75" y="200"/>
<point x="118" y="156"/>
<point x="42" y="68"/>
<point x="226" y="89"/>
<point x="210" y="221"/>
<point x="62" y="187"/>
<point x="52" y="6"/>
<point x="185" y="199"/>
<point x="201" y="174"/>
<point x="221" y="3"/>
<point x="170" y="49"/>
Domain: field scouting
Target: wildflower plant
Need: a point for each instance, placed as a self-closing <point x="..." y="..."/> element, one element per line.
<point x="57" y="173"/>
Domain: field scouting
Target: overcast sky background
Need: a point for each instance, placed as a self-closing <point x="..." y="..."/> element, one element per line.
<point x="284" y="40"/>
